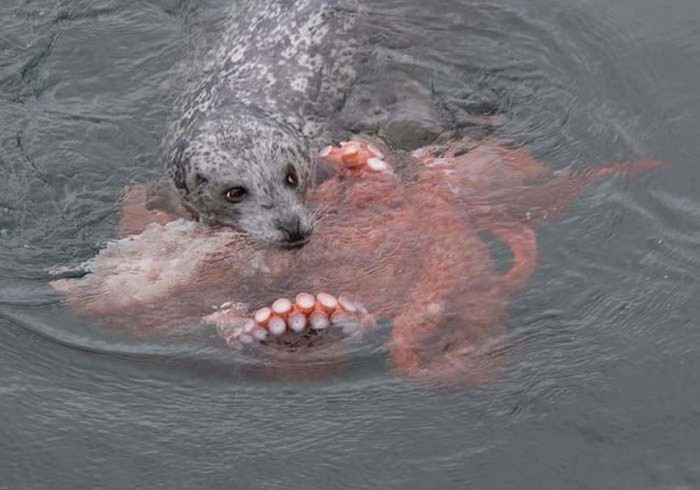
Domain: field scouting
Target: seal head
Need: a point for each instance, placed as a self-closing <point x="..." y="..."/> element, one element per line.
<point x="238" y="166"/>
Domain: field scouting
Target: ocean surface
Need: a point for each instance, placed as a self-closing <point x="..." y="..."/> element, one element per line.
<point x="600" y="390"/>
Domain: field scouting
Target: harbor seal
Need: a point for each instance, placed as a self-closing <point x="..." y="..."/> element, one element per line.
<point x="255" y="97"/>
<point x="271" y="83"/>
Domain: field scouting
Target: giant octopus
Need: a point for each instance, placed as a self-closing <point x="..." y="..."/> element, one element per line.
<point x="395" y="239"/>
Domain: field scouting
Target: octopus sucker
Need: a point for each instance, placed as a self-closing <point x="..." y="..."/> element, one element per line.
<point x="285" y="323"/>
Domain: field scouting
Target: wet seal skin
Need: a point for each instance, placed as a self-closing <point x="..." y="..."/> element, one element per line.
<point x="255" y="95"/>
<point x="269" y="85"/>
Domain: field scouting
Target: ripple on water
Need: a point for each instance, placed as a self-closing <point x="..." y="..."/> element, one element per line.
<point x="600" y="382"/>
<point x="82" y="116"/>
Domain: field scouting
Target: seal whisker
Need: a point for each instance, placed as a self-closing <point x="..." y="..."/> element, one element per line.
<point x="319" y="215"/>
<point x="321" y="210"/>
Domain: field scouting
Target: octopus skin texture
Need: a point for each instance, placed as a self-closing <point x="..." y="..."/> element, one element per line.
<point x="396" y="235"/>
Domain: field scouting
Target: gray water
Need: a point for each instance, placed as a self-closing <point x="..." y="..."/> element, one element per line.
<point x="600" y="389"/>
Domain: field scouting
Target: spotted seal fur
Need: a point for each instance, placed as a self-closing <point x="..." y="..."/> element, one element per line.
<point x="274" y="82"/>
<point x="239" y="147"/>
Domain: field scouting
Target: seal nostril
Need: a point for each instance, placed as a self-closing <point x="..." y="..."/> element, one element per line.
<point x="295" y="234"/>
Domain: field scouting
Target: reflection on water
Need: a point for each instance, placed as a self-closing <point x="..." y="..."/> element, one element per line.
<point x="604" y="342"/>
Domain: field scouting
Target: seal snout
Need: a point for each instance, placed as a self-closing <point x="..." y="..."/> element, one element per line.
<point x="296" y="235"/>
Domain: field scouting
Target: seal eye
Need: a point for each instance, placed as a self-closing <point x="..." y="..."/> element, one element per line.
<point x="235" y="194"/>
<point x="292" y="179"/>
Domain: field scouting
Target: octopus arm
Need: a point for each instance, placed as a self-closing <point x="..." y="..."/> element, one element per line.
<point x="545" y="201"/>
<point x="521" y="240"/>
<point x="439" y="336"/>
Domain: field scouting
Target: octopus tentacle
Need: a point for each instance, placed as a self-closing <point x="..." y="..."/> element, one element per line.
<point x="462" y="346"/>
<point x="420" y="347"/>
<point x="522" y="242"/>
<point x="356" y="156"/>
<point x="288" y="324"/>
<point x="548" y="200"/>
